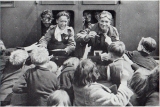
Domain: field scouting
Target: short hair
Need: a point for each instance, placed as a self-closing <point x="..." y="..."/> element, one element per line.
<point x="105" y="14"/>
<point x="73" y="61"/>
<point x="52" y="66"/>
<point x="149" y="44"/>
<point x="86" y="13"/>
<point x="63" y="13"/>
<point x="46" y="12"/>
<point x="2" y="46"/>
<point x="143" y="81"/>
<point x="85" y="73"/>
<point x="117" y="48"/>
<point x="39" y="56"/>
<point x="59" y="98"/>
<point x="18" y="57"/>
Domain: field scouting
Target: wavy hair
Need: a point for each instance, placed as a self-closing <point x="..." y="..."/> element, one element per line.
<point x="85" y="73"/>
<point x="39" y="56"/>
<point x="144" y="81"/>
<point x="18" y="57"/>
<point x="59" y="98"/>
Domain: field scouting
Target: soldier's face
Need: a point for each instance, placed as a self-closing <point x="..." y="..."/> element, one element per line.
<point x="46" y="19"/>
<point x="104" y="23"/>
<point x="62" y="22"/>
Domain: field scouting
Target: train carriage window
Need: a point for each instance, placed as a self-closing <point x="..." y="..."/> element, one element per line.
<point x="108" y="2"/>
<point x="58" y="2"/>
<point x="90" y="17"/>
<point x="7" y="4"/>
<point x="53" y="22"/>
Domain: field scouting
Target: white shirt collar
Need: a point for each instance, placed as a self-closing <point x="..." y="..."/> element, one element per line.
<point x="58" y="33"/>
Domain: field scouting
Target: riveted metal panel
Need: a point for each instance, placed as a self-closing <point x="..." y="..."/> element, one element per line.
<point x="139" y="19"/>
<point x="19" y="24"/>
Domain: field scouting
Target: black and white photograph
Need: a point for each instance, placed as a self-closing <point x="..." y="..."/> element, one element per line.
<point x="62" y="53"/>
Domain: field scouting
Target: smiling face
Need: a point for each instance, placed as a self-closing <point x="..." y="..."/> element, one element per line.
<point x="62" y="22"/>
<point x="104" y="23"/>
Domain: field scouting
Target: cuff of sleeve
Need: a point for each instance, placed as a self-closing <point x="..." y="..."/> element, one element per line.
<point x="135" y="66"/>
<point x="126" y="90"/>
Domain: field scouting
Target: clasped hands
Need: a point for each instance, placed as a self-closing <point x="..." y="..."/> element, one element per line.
<point x="93" y="34"/>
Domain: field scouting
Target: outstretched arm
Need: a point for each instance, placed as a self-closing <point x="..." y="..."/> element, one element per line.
<point x="47" y="37"/>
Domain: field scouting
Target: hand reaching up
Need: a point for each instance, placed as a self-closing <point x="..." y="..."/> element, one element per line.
<point x="105" y="56"/>
<point x="108" y="39"/>
<point x="87" y="50"/>
<point x="33" y="46"/>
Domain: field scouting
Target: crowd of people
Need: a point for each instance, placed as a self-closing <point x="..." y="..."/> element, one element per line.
<point x="29" y="76"/>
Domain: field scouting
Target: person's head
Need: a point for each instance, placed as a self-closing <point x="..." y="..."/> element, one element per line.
<point x="59" y="98"/>
<point x="62" y="19"/>
<point x="18" y="57"/>
<point x="73" y="61"/>
<point x="2" y="47"/>
<point x="147" y="45"/>
<point x="144" y="81"/>
<point x="39" y="56"/>
<point x="87" y="16"/>
<point x="86" y="73"/>
<point x="105" y="19"/>
<point x="96" y="15"/>
<point x="52" y="66"/>
<point x="46" y="17"/>
<point x="116" y="49"/>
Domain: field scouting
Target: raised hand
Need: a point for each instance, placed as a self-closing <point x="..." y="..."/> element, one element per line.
<point x="105" y="56"/>
<point x="108" y="39"/>
<point x="33" y="46"/>
<point x="87" y="50"/>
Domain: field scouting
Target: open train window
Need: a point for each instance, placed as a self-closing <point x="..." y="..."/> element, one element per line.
<point x="53" y="22"/>
<point x="90" y="17"/>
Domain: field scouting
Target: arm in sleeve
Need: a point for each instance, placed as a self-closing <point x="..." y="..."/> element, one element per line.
<point x="120" y="99"/>
<point x="80" y="37"/>
<point x="115" y="35"/>
<point x="71" y="42"/>
<point x="21" y="85"/>
<point x="65" y="81"/>
<point x="45" y="39"/>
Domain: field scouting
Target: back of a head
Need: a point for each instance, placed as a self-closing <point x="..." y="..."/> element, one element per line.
<point x="59" y="98"/>
<point x="39" y="56"/>
<point x="149" y="44"/>
<point x="2" y="46"/>
<point x="73" y="61"/>
<point x="18" y="57"/>
<point x="85" y="73"/>
<point x="52" y="66"/>
<point x="117" y="48"/>
<point x="46" y="12"/>
<point x="140" y="82"/>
